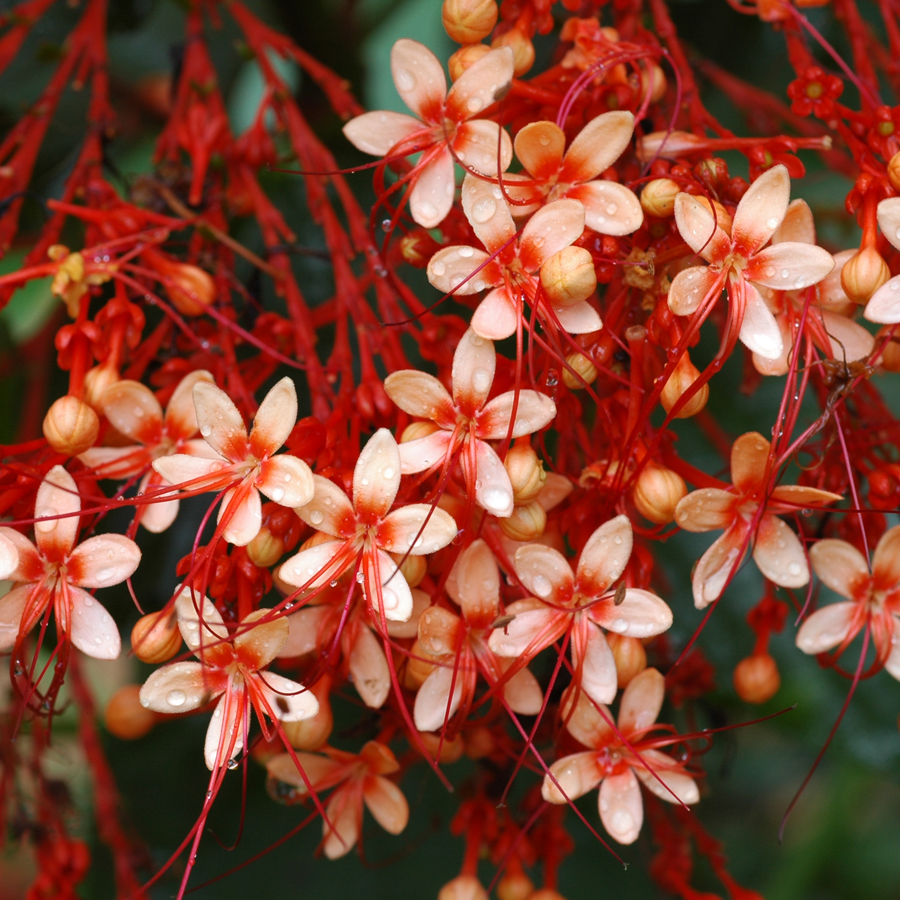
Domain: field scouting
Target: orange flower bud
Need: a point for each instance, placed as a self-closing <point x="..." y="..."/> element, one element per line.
<point x="527" y="523"/>
<point x="96" y="381"/>
<point x="416" y="430"/>
<point x="71" y="426"/>
<point x="480" y="742"/>
<point x="438" y="631"/>
<point x="680" y="382"/>
<point x="124" y="716"/>
<point x="515" y="886"/>
<point x="417" y="668"/>
<point x="522" y="48"/>
<point x="465" y="57"/>
<point x="526" y="473"/>
<point x="890" y="352"/>
<point x="630" y="657"/>
<point x="451" y="749"/>
<point x="658" y="197"/>
<point x="652" y="81"/>
<point x="722" y="216"/>
<point x="312" y="733"/>
<point x="863" y="274"/>
<point x="463" y="887"/>
<point x="469" y="21"/>
<point x="657" y="492"/>
<point x="580" y="373"/>
<point x="414" y="568"/>
<point x="756" y="678"/>
<point x="893" y="171"/>
<point x="190" y="289"/>
<point x="568" y="276"/>
<point x="155" y="637"/>
<point x="265" y="549"/>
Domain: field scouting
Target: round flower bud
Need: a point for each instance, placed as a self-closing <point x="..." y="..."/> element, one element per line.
<point x="890" y="352"/>
<point x="568" y="276"/>
<point x="580" y="371"/>
<point x="527" y="523"/>
<point x="526" y="473"/>
<point x="680" y="382"/>
<point x="312" y="733"/>
<point x="71" y="426"/>
<point x="658" y="197"/>
<point x="190" y="289"/>
<point x="515" y="886"/>
<point x="469" y="21"/>
<point x="893" y="171"/>
<point x="451" y="749"/>
<point x="522" y="48"/>
<point x="657" y="492"/>
<point x="124" y="716"/>
<point x="265" y="549"/>
<point x="756" y="678"/>
<point x="863" y="274"/>
<point x="414" y="568"/>
<point x="417" y="668"/>
<point x="480" y="742"/>
<point x="630" y="657"/>
<point x="653" y="81"/>
<point x="416" y="430"/>
<point x="463" y="887"/>
<point x="96" y="381"/>
<point x="155" y="637"/>
<point x="465" y="57"/>
<point x="722" y="216"/>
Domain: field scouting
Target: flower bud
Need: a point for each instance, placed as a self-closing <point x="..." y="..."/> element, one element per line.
<point x="96" y="381"/>
<point x="526" y="473"/>
<point x="630" y="657"/>
<point x="413" y="568"/>
<point x="71" y="426"/>
<point x="125" y="717"/>
<point x="416" y="430"/>
<point x="265" y="549"/>
<point x="438" y="631"/>
<point x="463" y="887"/>
<point x="527" y="523"/>
<point x="469" y="21"/>
<point x="465" y="57"/>
<point x="653" y="81"/>
<point x="680" y="382"/>
<point x="756" y="678"/>
<point x="863" y="274"/>
<point x="451" y="749"/>
<point x="893" y="171"/>
<point x="312" y="733"/>
<point x="515" y="885"/>
<point x="155" y="637"/>
<point x="721" y="215"/>
<point x="417" y="668"/>
<point x="568" y="276"/>
<point x="480" y="742"/>
<point x="658" y="197"/>
<point x="522" y="48"/>
<point x="580" y="371"/>
<point x="890" y="351"/>
<point x="657" y="492"/>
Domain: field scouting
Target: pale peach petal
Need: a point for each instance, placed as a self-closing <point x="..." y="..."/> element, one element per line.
<point x="579" y="318"/>
<point x="595" y="666"/>
<point x="156" y="517"/>
<point x="883" y="307"/>
<point x="573" y="777"/>
<point x="182" y="469"/>
<point x="539" y="147"/>
<point x="797" y="225"/>
<point x="241" y="511"/>
<point x="551" y="229"/>
<point x="839" y="565"/>
<point x="387" y="589"/>
<point x="761" y="210"/>
<point x="224" y="735"/>
<point x="12" y="605"/>
<point x="57" y="496"/>
<point x="329" y="510"/>
<point x="621" y="807"/>
<point x="275" y="419"/>
<point x="556" y="488"/>
<point x="889" y="220"/>
<point x="798" y="496"/>
<point x="369" y="669"/>
<point x="474" y="584"/>
<point x="481" y="85"/>
<point x="30" y="565"/>
<point x="307" y="631"/>
<point x="609" y="208"/>
<point x="641" y="701"/>
<point x="641" y="614"/>
<point x="677" y="786"/>
<point x="590" y="723"/>
<point x="420" y="394"/>
<point x="91" y="628"/>
<point x="474" y="365"/>
<point x="182" y="686"/>
<point x="831" y="291"/>
<point x="699" y="228"/>
<point x="377" y="133"/>
<point x="496" y="317"/>
<point x="749" y="456"/>
<point x="220" y="422"/>
<point x="181" y="418"/>
<point x="605" y="556"/>
<point x="532" y="629"/>
<point x="116" y="462"/>
<point x="523" y="693"/>
<point x="376" y="478"/>
<point x="847" y="340"/>
<point x="419" y="78"/>
<point x="315" y="566"/>
<point x="759" y="330"/>
<point x="827" y="627"/>
<point x="321" y="772"/>
<point x="199" y="622"/>
<point x="432" y="192"/>
<point x="597" y="146"/>
<point x="286" y="480"/>
<point x="886" y="559"/>
<point x="493" y="489"/>
<point x="260" y="637"/>
<point x="9" y="556"/>
<point x="481" y="145"/>
<point x="892" y="663"/>
<point x="717" y="565"/>
<point x="410" y="628"/>
<point x="345" y="817"/>
<point x="705" y="510"/>
<point x="417" y="529"/>
<point x="534" y="411"/>
<point x="422" y="453"/>
<point x="781" y="364"/>
<point x="545" y="572"/>
<point x="789" y="266"/>
<point x="431" y="708"/>
<point x="134" y="411"/>
<point x="103" y="560"/>
<point x="690" y="287"/>
<point x="779" y="554"/>
<point x="386" y="803"/>
<point x="488" y="213"/>
<point x="290" y="701"/>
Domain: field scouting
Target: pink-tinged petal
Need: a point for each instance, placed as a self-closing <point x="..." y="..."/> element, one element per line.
<point x="749" y="456"/>
<point x="884" y="306"/>
<point x="259" y="638"/>
<point x="690" y="287"/>
<point x="796" y="496"/>
<point x="551" y="229"/>
<point x="889" y="220"/>
<point x="345" y="816"/>
<point x="431" y="710"/>
<point x="30" y="565"/>
<point x="831" y="291"/>
<point x="386" y="803"/>
<point x="759" y="330"/>
<point x="539" y="147"/>
<point x="9" y="556"/>
<point x="156" y="517"/>
<point x="474" y="366"/>
<point x="419" y="78"/>
<point x="410" y="628"/>
<point x="57" y="496"/>
<point x="609" y="208"/>
<point x="275" y="419"/>
<point x="641" y="614"/>
<point x="594" y="663"/>
<point x="134" y="411"/>
<point x="432" y="193"/>
<point x="315" y="566"/>
<point x="892" y="663"/>
<point x="573" y="777"/>
<point x="579" y="318"/>
<point x="369" y="669"/>
<point x="225" y="733"/>
<point x="827" y="627"/>
<point x="716" y="566"/>
<point x="797" y="226"/>
<point x="103" y="560"/>
<point x="194" y="472"/>
<point x="496" y="317"/>
<point x="493" y="489"/>
<point x="886" y="559"/>
<point x="91" y="628"/>
<point x="321" y="772"/>
<point x="182" y="686"/>
<point x="329" y="510"/>
<point x="597" y="146"/>
<point x="199" y="621"/>
<point x="839" y="565"/>
<point x="705" y="510"/>
<point x="422" y="453"/>
<point x="523" y="693"/>
<point x="376" y="478"/>
<point x="290" y="701"/>
<point x="847" y="340"/>
<point x="220" y="422"/>
<point x="545" y="572"/>
<point x="481" y="145"/>
<point x="392" y="594"/>
<point x="781" y="364"/>
<point x="761" y="210"/>
<point x="605" y="556"/>
<point x="420" y="394"/>
<point x="588" y="722"/>
<point x="481" y="85"/>
<point x="534" y="411"/>
<point x="474" y="584"/>
<point x="641" y="701"/>
<point x="417" y="529"/>
<point x="116" y="462"/>
<point x="377" y="133"/>
<point x="779" y="554"/>
<point x="621" y="807"/>
<point x="241" y="511"/>
<point x="307" y="631"/>
<point x="286" y="480"/>
<point x="180" y="419"/>
<point x="533" y="627"/>
<point x="12" y="605"/>
<point x="789" y="266"/>
<point x="699" y="228"/>
<point x="488" y="212"/>
<point x="676" y="785"/>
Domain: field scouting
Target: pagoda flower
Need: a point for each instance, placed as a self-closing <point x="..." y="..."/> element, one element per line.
<point x="133" y="410"/>
<point x="365" y="530"/>
<point x="443" y="128"/>
<point x="511" y="263"/>
<point x="243" y="466"/>
<point x="459" y="650"/>
<point x="554" y="173"/>
<point x="53" y="571"/>
<point x="358" y="780"/>
<point x="828" y="321"/>
<point x="466" y="421"/>
<point x="873" y="599"/>
<point x="230" y="667"/>
<point x="619" y="763"/>
<point x="739" y="263"/>
<point x="749" y="513"/>
<point x="583" y="603"/>
<point x="884" y="305"/>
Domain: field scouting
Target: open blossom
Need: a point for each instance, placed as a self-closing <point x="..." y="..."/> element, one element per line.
<point x="739" y="263"/>
<point x="53" y="571"/>
<point x="243" y="465"/>
<point x="777" y="551"/>
<point x="583" y="602"/>
<point x="133" y="410"/>
<point x="511" y="262"/>
<point x="884" y="305"/>
<point x="873" y="599"/>
<point x="229" y="667"/>
<point x="445" y="127"/>
<point x="366" y="530"/>
<point x="619" y="763"/>
<point x="467" y="420"/>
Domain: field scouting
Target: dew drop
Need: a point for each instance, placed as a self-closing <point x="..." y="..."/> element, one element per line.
<point x="317" y="517"/>
<point x="772" y="222"/>
<point x="388" y="472"/>
<point x="438" y="268"/>
<point x="481" y="378"/>
<point x="389" y="598"/>
<point x="465" y="252"/>
<point x="176" y="698"/>
<point x="206" y="430"/>
<point x="406" y="81"/>
<point x="483" y="210"/>
<point x="496" y="499"/>
<point x="232" y="764"/>
<point x="473" y="104"/>
<point x="541" y="585"/>
<point x="427" y="209"/>
<point x="277" y="494"/>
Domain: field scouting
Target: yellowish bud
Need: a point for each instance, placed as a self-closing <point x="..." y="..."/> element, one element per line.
<point x="526" y="473"/>
<point x="414" y="568"/>
<point x="680" y="382"/>
<point x="568" y="276"/>
<point x="466" y="56"/>
<point x="863" y="274"/>
<point x="658" y="197"/>
<point x="657" y="492"/>
<point x="890" y="353"/>
<point x="416" y="430"/>
<point x="312" y="733"/>
<point x="71" y="426"/>
<point x="522" y="48"/>
<point x="527" y="523"/>
<point x="463" y="887"/>
<point x="265" y="549"/>
<point x="515" y="886"/>
<point x="580" y="371"/>
<point x="630" y="657"/>
<point x="722" y="216"/>
<point x="155" y="637"/>
<point x="125" y="717"/>
<point x="96" y="381"/>
<point x="756" y="678"/>
<point x="190" y="289"/>
<point x="417" y="668"/>
<point x="469" y="21"/>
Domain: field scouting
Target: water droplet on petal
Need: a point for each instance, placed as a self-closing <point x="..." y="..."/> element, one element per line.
<point x="541" y="585"/>
<point x="438" y="268"/>
<point x="473" y="104"/>
<point x="316" y="517"/>
<point x="483" y="210"/>
<point x="277" y="494"/>
<point x="772" y="222"/>
<point x="496" y="499"/>
<point x="465" y="252"/>
<point x="176" y="698"/>
<point x="206" y="430"/>
<point x="405" y="80"/>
